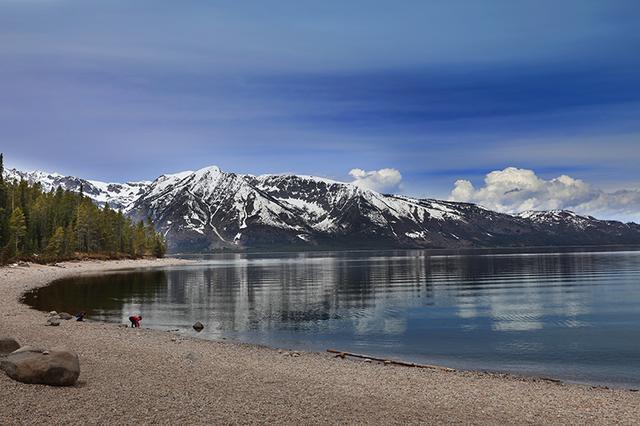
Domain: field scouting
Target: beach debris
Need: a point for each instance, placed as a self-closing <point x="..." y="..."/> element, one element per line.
<point x="192" y="356"/>
<point x="53" y="313"/>
<point x="343" y="354"/>
<point x="65" y="316"/>
<point x="53" y="322"/>
<point x="290" y="353"/>
<point x="198" y="326"/>
<point x="55" y="367"/>
<point x="8" y="345"/>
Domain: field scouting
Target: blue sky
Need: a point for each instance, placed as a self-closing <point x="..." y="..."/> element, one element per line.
<point x="440" y="91"/>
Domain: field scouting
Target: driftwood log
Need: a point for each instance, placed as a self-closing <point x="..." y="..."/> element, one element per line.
<point x="343" y="354"/>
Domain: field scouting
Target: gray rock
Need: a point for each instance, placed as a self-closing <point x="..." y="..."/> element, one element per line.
<point x="8" y="345"/>
<point x="55" y="367"/>
<point x="198" y="326"/>
<point x="54" y="322"/>
<point x="65" y="316"/>
<point x="53" y="313"/>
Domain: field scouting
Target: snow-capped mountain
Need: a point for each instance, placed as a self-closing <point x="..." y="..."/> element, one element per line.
<point x="118" y="195"/>
<point x="576" y="229"/>
<point x="210" y="209"/>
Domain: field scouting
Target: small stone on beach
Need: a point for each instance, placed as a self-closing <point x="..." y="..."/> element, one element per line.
<point x="8" y="345"/>
<point x="53" y="322"/>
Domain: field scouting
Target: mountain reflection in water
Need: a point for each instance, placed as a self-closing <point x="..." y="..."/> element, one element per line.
<point x="570" y="315"/>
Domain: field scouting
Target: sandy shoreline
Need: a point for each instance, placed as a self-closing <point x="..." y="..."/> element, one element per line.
<point x="146" y="376"/>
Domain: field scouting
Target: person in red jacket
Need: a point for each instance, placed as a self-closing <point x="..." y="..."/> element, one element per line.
<point x="135" y="321"/>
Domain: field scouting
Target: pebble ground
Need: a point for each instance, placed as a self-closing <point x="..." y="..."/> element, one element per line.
<point x="154" y="377"/>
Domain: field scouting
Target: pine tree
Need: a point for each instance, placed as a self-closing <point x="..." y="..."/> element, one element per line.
<point x="69" y="241"/>
<point x="159" y="246"/>
<point x="18" y="229"/>
<point x="139" y="240"/>
<point x="3" y="205"/>
<point x="56" y="247"/>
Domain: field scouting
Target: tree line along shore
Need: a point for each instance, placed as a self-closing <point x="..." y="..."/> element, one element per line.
<point x="60" y="225"/>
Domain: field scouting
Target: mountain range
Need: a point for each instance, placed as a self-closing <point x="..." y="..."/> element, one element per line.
<point x="209" y="209"/>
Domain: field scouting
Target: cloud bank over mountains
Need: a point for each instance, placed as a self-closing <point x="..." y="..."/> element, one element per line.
<point x="513" y="190"/>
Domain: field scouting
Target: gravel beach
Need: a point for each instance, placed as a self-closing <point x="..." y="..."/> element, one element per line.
<point x="146" y="376"/>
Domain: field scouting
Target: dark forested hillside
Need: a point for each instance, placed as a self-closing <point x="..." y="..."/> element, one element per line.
<point x="60" y="224"/>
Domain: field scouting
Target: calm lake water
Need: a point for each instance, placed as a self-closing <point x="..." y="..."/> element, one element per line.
<point x="574" y="316"/>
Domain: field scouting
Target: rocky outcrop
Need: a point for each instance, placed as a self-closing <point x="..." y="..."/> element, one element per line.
<point x="56" y="367"/>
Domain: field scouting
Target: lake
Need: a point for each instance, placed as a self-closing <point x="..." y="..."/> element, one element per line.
<point x="572" y="315"/>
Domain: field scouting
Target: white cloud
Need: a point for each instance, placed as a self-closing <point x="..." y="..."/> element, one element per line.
<point x="378" y="180"/>
<point x="514" y="190"/>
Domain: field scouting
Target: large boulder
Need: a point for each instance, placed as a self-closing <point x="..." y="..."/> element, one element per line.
<point x="8" y="345"/>
<point x="56" y="367"/>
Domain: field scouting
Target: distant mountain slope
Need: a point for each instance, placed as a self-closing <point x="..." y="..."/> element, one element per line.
<point x="118" y="195"/>
<point x="210" y="209"/>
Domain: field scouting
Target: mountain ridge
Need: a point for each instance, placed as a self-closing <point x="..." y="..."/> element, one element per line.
<point x="209" y="209"/>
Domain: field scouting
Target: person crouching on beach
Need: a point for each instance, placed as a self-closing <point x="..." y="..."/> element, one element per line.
<point x="135" y="321"/>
